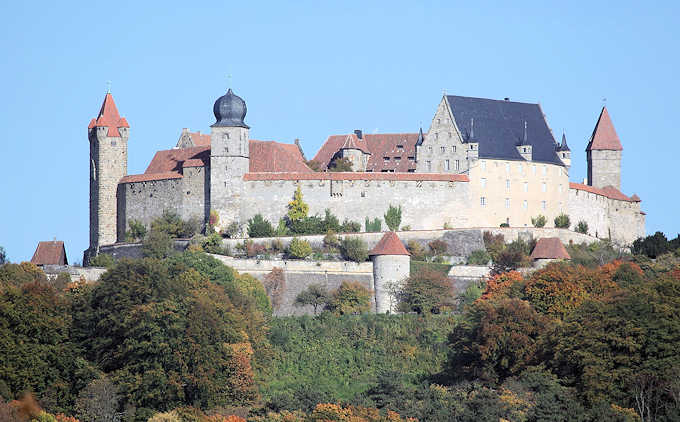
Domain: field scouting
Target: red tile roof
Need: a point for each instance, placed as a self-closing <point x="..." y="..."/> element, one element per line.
<point x="608" y="191"/>
<point x="172" y="160"/>
<point x="389" y="245"/>
<point x="50" y="253"/>
<point x="378" y="146"/>
<point x="270" y="156"/>
<point x="133" y="178"/>
<point x="604" y="135"/>
<point x="200" y="139"/>
<point x="549" y="248"/>
<point x="109" y="117"/>
<point x="635" y="198"/>
<point x="435" y="177"/>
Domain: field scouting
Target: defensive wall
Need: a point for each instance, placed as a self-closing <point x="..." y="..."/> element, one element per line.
<point x="89" y="274"/>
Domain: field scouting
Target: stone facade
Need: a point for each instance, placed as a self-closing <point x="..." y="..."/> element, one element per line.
<point x="387" y="270"/>
<point x="604" y="168"/>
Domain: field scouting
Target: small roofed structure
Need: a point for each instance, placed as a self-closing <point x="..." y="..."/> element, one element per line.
<point x="548" y="249"/>
<point x="50" y="252"/>
<point x="391" y="265"/>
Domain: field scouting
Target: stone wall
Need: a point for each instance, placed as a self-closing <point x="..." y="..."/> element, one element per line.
<point x="604" y="168"/>
<point x="89" y="274"/>
<point x="443" y="150"/>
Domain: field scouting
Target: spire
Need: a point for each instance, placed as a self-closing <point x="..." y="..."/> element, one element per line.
<point x="472" y="128"/>
<point x="564" y="146"/>
<point x="109" y="117"/>
<point x="604" y="135"/>
<point x="524" y="141"/>
<point x="421" y="138"/>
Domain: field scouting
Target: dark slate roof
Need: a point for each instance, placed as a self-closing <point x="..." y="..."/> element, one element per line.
<point x="499" y="128"/>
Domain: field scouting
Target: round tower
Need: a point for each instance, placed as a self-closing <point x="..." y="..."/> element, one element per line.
<point x="229" y="156"/>
<point x="391" y="266"/>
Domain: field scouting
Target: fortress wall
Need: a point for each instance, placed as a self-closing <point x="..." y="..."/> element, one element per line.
<point x="425" y="204"/>
<point x="195" y="193"/>
<point x="506" y="185"/>
<point x="145" y="201"/>
<point x="607" y="218"/>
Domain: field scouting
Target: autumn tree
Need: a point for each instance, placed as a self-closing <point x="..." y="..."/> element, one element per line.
<point x="275" y="285"/>
<point x="315" y="295"/>
<point x="425" y="292"/>
<point x="350" y="298"/>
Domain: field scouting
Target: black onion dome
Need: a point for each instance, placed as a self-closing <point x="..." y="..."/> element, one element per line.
<point x="230" y="110"/>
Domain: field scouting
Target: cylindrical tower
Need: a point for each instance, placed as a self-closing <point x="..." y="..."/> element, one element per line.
<point x="391" y="266"/>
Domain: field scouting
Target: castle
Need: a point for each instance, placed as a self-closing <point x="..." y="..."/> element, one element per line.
<point x="482" y="163"/>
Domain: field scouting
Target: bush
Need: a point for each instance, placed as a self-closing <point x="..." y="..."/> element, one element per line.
<point x="157" y="244"/>
<point x="213" y="244"/>
<point x="655" y="245"/>
<point x="582" y="227"/>
<point x="232" y="230"/>
<point x="426" y="292"/>
<point x="330" y="241"/>
<point x="102" y="260"/>
<point x="137" y="231"/>
<point x="479" y="257"/>
<point x="258" y="226"/>
<point x="297" y="208"/>
<point x="340" y="164"/>
<point x="393" y="218"/>
<point x="299" y="248"/>
<point x="539" y="221"/>
<point x="438" y="247"/>
<point x="416" y="250"/>
<point x="374" y="226"/>
<point x="505" y="225"/>
<point x="406" y="228"/>
<point x="282" y="228"/>
<point x="350" y="227"/>
<point x="350" y="298"/>
<point x="354" y="249"/>
<point x="562" y="221"/>
<point x="171" y="224"/>
<point x="330" y="222"/>
<point x="315" y="295"/>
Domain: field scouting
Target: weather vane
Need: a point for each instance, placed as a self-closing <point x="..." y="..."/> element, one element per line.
<point x="108" y="87"/>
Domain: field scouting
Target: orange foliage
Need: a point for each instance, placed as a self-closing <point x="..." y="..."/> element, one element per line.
<point x="221" y="418"/>
<point x="63" y="418"/>
<point x="26" y="406"/>
<point x="326" y="412"/>
<point x="242" y="380"/>
<point x="497" y="286"/>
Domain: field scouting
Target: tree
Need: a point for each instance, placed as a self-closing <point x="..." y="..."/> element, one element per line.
<point x="315" y="295"/>
<point x="538" y="221"/>
<point x="98" y="402"/>
<point x="374" y="226"/>
<point x="340" y="164"/>
<point x="350" y="298"/>
<point x="299" y="248"/>
<point x="157" y="244"/>
<point x="582" y="227"/>
<point x="562" y="221"/>
<point x="426" y="292"/>
<point x="258" y="226"/>
<point x="137" y="231"/>
<point x="393" y="217"/>
<point x="297" y="208"/>
<point x="438" y="247"/>
<point x="3" y="256"/>
<point x="354" y="249"/>
<point x="479" y="257"/>
<point x="275" y="284"/>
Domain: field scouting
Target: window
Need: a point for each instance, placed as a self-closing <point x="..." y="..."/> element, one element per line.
<point x="543" y="204"/>
<point x="559" y="188"/>
<point x="544" y="187"/>
<point x="545" y="170"/>
<point x="397" y="159"/>
<point x="429" y="149"/>
<point x="507" y="184"/>
<point x="533" y="168"/>
<point x="472" y="146"/>
<point x="483" y="180"/>
<point x="412" y="158"/>
<point x="507" y="167"/>
<point x="525" y="205"/>
<point x="457" y="164"/>
<point x="454" y="148"/>
<point x="447" y="165"/>
<point x="449" y="134"/>
<point x="482" y="201"/>
<point x="439" y="121"/>
<point x="519" y="168"/>
<point x="526" y="186"/>
<point x="443" y="150"/>
<point x="386" y="158"/>
<point x="483" y="162"/>
<point x="429" y="165"/>
<point x="400" y="147"/>
<point x="411" y="170"/>
<point x="436" y="136"/>
<point x="507" y="202"/>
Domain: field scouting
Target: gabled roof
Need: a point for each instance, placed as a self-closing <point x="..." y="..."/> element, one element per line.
<point x="109" y="117"/>
<point x="499" y="128"/>
<point x="200" y="139"/>
<point x="549" y="248"/>
<point x="608" y="191"/>
<point x="604" y="135"/>
<point x="378" y="146"/>
<point x="389" y="245"/>
<point x="271" y="156"/>
<point x="50" y="253"/>
<point x="172" y="160"/>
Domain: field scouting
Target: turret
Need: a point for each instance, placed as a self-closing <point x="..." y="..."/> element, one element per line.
<point x="229" y="157"/>
<point x="604" y="154"/>
<point x="391" y="266"/>
<point x="108" y="135"/>
<point x="563" y="151"/>
<point x="525" y="149"/>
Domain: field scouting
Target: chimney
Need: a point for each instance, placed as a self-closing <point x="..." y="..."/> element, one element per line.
<point x="359" y="133"/>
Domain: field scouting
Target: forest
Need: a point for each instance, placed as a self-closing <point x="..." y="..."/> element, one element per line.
<point x="186" y="338"/>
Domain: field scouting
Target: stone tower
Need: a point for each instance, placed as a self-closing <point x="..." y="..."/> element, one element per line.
<point x="604" y="154"/>
<point x="108" y="135"/>
<point x="229" y="157"/>
<point x="391" y="266"/>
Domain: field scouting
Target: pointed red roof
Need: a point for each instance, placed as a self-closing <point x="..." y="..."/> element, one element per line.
<point x="604" y="135"/>
<point x="50" y="253"/>
<point x="109" y="117"/>
<point x="549" y="248"/>
<point x="635" y="198"/>
<point x="389" y="245"/>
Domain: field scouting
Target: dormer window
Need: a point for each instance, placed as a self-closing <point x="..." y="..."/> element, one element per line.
<point x="412" y="158"/>
<point x="400" y="147"/>
<point x="386" y="158"/>
<point x="397" y="159"/>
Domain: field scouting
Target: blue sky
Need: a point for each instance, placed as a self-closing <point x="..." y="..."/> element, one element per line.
<point x="311" y="69"/>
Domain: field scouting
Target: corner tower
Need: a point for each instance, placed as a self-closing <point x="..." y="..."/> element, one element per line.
<point x="108" y="135"/>
<point x="391" y="266"/>
<point x="229" y="157"/>
<point x="604" y="154"/>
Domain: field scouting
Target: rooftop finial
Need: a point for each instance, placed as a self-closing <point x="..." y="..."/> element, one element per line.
<point x="525" y="132"/>
<point x="472" y="128"/>
<point x="108" y="87"/>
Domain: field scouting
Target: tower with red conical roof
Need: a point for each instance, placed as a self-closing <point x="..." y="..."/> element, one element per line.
<point x="604" y="154"/>
<point x="391" y="266"/>
<point x="108" y="135"/>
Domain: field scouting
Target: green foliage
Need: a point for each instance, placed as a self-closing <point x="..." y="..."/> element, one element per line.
<point x="330" y="222"/>
<point x="354" y="249"/>
<point x="20" y="274"/>
<point x="102" y="260"/>
<point x="349" y="299"/>
<point x="314" y="165"/>
<point x="582" y="227"/>
<point x="3" y="256"/>
<point x="98" y="402"/>
<point x="258" y="226"/>
<point x="374" y="226"/>
<point x="594" y="254"/>
<point x="655" y="245"/>
<point x="538" y="221"/>
<point x="479" y="257"/>
<point x="157" y="244"/>
<point x="212" y="243"/>
<point x="417" y="267"/>
<point x="340" y="164"/>
<point x="299" y="248"/>
<point x="350" y="227"/>
<point x="416" y="250"/>
<point x="232" y="230"/>
<point x="426" y="292"/>
<point x="250" y="287"/>
<point x="562" y="221"/>
<point x="393" y="217"/>
<point x="331" y="241"/>
<point x="297" y="208"/>
<point x="137" y="231"/>
<point x="502" y="225"/>
<point x="315" y="295"/>
<point x="172" y="225"/>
